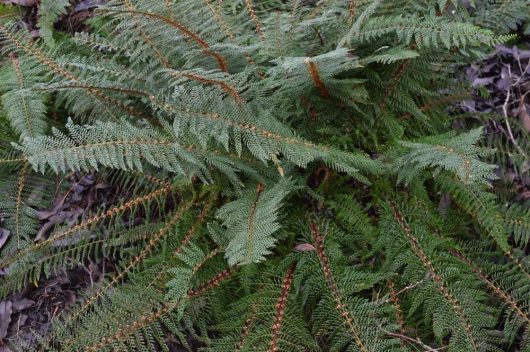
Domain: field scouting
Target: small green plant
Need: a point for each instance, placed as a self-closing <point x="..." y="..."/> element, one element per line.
<point x="294" y="164"/>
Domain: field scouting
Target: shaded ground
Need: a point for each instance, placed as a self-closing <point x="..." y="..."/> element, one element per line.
<point x="501" y="94"/>
<point x="32" y="310"/>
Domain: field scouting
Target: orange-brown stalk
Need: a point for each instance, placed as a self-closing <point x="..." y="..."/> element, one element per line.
<point x="95" y="219"/>
<point x="246" y="329"/>
<point x="14" y="160"/>
<point x="254" y="18"/>
<point x="169" y="8"/>
<point x="212" y="283"/>
<point x="280" y="308"/>
<point x="156" y="180"/>
<point x="335" y="293"/>
<point x="218" y="16"/>
<point x="186" y="239"/>
<point x="18" y="203"/>
<point x="352" y="10"/>
<point x="221" y="61"/>
<point x="223" y="85"/>
<point x="397" y="305"/>
<point x="133" y="262"/>
<point x="426" y="262"/>
<point x="163" y="59"/>
<point x="313" y="72"/>
<point x="122" y="334"/>
<point x="505" y="296"/>
<point x="35" y="52"/>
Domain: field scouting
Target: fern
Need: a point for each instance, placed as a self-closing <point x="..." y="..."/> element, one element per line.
<point x="286" y="177"/>
<point x="49" y="13"/>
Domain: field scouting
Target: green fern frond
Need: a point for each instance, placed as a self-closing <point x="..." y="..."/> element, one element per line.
<point x="49" y="13"/>
<point x="455" y="153"/>
<point x="252" y="220"/>
<point x="426" y="32"/>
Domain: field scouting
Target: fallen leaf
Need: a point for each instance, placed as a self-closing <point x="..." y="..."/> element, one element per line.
<point x="53" y="220"/>
<point x="22" y="304"/>
<point x="45" y="214"/>
<point x="304" y="247"/>
<point x="523" y="115"/>
<point x="479" y="82"/>
<point x="4" y="235"/>
<point x="6" y="309"/>
<point x="88" y="4"/>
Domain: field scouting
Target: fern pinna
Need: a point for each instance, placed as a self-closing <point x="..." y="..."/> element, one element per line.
<point x="290" y="177"/>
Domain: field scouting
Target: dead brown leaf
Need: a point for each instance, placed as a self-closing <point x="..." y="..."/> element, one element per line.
<point x="523" y="115"/>
<point x="4" y="235"/>
<point x="6" y="309"/>
<point x="304" y="247"/>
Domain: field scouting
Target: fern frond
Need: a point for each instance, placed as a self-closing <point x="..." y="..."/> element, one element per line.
<point x="24" y="108"/>
<point x="426" y="32"/>
<point x="49" y="13"/>
<point x="457" y="154"/>
<point x="137" y="260"/>
<point x="473" y="323"/>
<point x="61" y="235"/>
<point x="121" y="335"/>
<point x="251" y="221"/>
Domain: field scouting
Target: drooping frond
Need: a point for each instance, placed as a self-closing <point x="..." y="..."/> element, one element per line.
<point x="457" y="154"/>
<point x="426" y="32"/>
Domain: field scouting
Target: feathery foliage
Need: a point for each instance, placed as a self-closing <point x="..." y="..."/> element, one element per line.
<point x="289" y="177"/>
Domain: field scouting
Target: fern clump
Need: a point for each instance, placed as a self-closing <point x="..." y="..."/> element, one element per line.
<point x="290" y="177"/>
